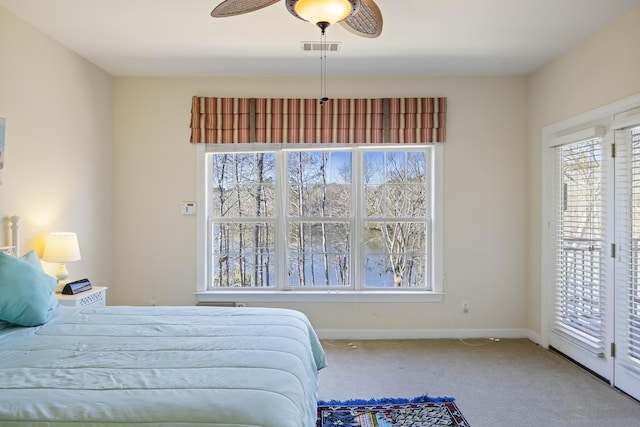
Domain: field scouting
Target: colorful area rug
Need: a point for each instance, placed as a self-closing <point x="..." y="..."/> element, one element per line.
<point x="423" y="411"/>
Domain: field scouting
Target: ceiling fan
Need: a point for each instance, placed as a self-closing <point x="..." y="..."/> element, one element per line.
<point x="361" y="17"/>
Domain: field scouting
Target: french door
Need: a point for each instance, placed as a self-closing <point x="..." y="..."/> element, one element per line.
<point x="595" y="231"/>
<point x="627" y="273"/>
<point x="581" y="316"/>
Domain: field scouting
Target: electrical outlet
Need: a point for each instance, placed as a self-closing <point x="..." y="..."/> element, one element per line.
<point x="465" y="306"/>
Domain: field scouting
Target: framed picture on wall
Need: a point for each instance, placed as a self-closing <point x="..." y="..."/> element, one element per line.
<point x="3" y="123"/>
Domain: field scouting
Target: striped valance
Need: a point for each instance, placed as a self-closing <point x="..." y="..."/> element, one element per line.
<point x="352" y="121"/>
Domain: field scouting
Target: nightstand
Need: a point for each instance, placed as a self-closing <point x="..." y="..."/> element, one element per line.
<point x="96" y="297"/>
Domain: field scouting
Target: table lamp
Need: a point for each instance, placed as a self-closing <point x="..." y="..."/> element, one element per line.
<point x="61" y="247"/>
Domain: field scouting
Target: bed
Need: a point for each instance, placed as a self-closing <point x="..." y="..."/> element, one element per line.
<point x="180" y="366"/>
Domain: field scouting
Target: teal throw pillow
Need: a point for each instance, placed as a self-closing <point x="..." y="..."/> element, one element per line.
<point x="32" y="258"/>
<point x="26" y="294"/>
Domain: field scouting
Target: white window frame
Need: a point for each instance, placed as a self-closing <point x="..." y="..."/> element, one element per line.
<point x="358" y="293"/>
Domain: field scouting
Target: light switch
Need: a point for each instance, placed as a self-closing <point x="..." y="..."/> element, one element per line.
<point x="188" y="208"/>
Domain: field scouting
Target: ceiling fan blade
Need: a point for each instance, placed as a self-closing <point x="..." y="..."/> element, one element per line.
<point x="238" y="7"/>
<point x="367" y="22"/>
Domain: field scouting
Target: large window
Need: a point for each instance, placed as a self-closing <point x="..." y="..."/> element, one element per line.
<point x="337" y="219"/>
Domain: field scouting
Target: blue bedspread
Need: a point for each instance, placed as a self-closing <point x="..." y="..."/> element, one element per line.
<point x="179" y="366"/>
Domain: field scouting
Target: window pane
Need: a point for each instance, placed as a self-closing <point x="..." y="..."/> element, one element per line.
<point x="319" y="254"/>
<point x="319" y="184"/>
<point x="395" y="254"/>
<point x="396" y="184"/>
<point x="395" y="166"/>
<point x="579" y="289"/>
<point x="243" y="185"/>
<point x="243" y="255"/>
<point x="374" y="167"/>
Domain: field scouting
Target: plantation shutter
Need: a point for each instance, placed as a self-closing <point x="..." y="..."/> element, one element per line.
<point x="628" y="240"/>
<point x="580" y="272"/>
<point x="348" y="121"/>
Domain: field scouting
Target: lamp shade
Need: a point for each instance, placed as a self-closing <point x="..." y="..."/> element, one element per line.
<point x="327" y="11"/>
<point x="62" y="247"/>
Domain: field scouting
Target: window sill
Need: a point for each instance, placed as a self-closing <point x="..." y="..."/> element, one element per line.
<point x="319" y="296"/>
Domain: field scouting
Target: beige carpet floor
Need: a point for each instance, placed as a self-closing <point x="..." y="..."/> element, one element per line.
<point x="506" y="383"/>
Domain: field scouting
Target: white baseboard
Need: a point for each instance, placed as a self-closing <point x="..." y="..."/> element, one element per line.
<point x="396" y="334"/>
<point x="535" y="337"/>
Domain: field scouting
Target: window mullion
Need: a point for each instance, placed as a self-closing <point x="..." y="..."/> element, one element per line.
<point x="282" y="235"/>
<point x="357" y="240"/>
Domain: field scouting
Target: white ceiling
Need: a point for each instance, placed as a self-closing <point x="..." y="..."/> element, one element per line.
<point x="420" y="37"/>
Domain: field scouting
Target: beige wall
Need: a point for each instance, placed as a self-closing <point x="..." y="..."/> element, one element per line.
<point x="603" y="69"/>
<point x="484" y="200"/>
<point x="109" y="159"/>
<point x="58" y="170"/>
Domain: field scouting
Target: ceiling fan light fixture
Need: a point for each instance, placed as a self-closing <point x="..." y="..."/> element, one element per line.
<point x="323" y="12"/>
